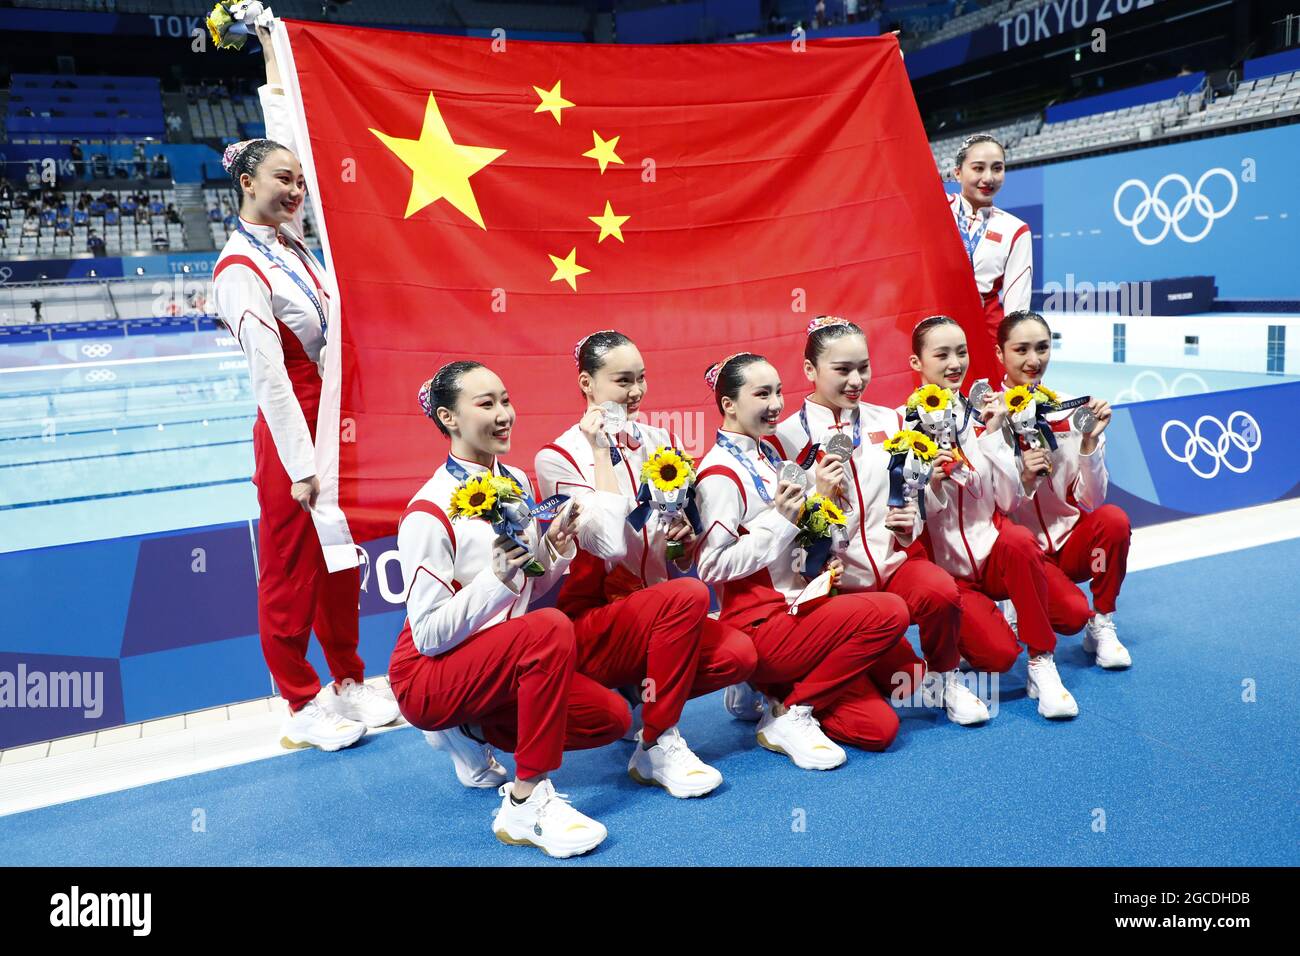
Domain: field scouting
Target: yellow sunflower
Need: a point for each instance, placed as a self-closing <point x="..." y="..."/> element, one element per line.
<point x="833" y="514"/>
<point x="933" y="398"/>
<point x="924" y="447"/>
<point x="667" y="469"/>
<point x="474" y="498"/>
<point x="909" y="439"/>
<point x="1046" y="396"/>
<point x="1017" y="398"/>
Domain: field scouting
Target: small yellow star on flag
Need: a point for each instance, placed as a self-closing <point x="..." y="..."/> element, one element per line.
<point x="610" y="224"/>
<point x="568" y="268"/>
<point x="603" y="151"/>
<point x="440" y="167"/>
<point x="552" y="101"/>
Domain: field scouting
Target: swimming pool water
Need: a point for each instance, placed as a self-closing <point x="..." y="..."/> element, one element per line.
<point x="152" y="436"/>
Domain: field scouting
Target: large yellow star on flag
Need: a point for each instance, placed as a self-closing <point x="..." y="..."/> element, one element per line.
<point x="568" y="268"/>
<point x="603" y="151"/>
<point x="552" y="101"/>
<point x="610" y="224"/>
<point x="440" y="167"/>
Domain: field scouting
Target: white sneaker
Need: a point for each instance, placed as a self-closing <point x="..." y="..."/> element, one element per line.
<point x="744" y="703"/>
<point x="476" y="765"/>
<point x="670" y="764"/>
<point x="359" y="702"/>
<point x="1044" y="684"/>
<point x="1100" y="639"/>
<point x="962" y="704"/>
<point x="946" y="689"/>
<point x="547" y="821"/>
<point x="798" y="735"/>
<point x="313" y="726"/>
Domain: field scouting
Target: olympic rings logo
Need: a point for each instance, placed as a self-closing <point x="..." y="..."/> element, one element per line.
<point x="96" y="349"/>
<point x="96" y="376"/>
<point x="1247" y="440"/>
<point x="1171" y="217"/>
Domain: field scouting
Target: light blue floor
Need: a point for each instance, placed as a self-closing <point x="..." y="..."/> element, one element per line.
<point x="1179" y="768"/>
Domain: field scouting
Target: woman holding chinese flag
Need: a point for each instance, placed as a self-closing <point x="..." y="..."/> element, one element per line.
<point x="270" y="294"/>
<point x="879" y="554"/>
<point x="639" y="626"/>
<point x="814" y="647"/>
<point x="473" y="665"/>
<point x="990" y="558"/>
<point x="1083" y="538"/>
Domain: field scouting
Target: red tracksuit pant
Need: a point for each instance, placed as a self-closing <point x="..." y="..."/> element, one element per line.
<point x="1014" y="569"/>
<point x="934" y="605"/>
<point x="864" y="715"/>
<point x="662" y="634"/>
<point x="295" y="592"/>
<point x="814" y="657"/>
<point x="1095" y="551"/>
<point x="516" y="680"/>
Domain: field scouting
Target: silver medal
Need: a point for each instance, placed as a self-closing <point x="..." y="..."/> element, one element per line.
<point x="1084" y="419"/>
<point x="794" y="474"/>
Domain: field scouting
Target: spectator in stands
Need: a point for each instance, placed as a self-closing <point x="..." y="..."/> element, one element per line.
<point x="48" y="216"/>
<point x="31" y="227"/>
<point x="98" y="208"/>
<point x="36" y="309"/>
<point x="160" y="243"/>
<point x="173" y="217"/>
<point x="63" y="227"/>
<point x="111" y="217"/>
<point x="80" y="217"/>
<point x="138" y="160"/>
<point x="77" y="155"/>
<point x="156" y="208"/>
<point x="214" y="214"/>
<point x="142" y="216"/>
<point x="33" y="181"/>
<point x="6" y="192"/>
<point x="129" y="206"/>
<point x="95" y="244"/>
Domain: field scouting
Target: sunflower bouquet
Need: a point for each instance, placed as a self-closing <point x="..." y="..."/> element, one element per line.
<point x="667" y="488"/>
<point x="230" y="23"/>
<point x="933" y="410"/>
<point x="910" y="455"/>
<point x="498" y="500"/>
<point x="820" y="525"/>
<point x="1027" y="410"/>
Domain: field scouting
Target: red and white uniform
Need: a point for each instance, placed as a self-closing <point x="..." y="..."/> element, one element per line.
<point x="471" y="652"/>
<point x="634" y="621"/>
<point x="1067" y="513"/>
<point x="1003" y="261"/>
<point x="819" y="657"/>
<point x="875" y="561"/>
<point x="280" y="331"/>
<point x="990" y="558"/>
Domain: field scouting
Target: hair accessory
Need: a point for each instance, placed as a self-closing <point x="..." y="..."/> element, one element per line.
<point x="583" y="341"/>
<point x="425" y="401"/>
<point x="231" y="155"/>
<point x="711" y="376"/>
<point x="825" y="322"/>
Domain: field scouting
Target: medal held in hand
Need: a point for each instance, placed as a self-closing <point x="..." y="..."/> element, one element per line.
<point x="840" y="446"/>
<point x="910" y="456"/>
<point x="668" y="490"/>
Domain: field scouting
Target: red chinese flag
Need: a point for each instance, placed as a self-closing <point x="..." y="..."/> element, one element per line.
<point x="500" y="200"/>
